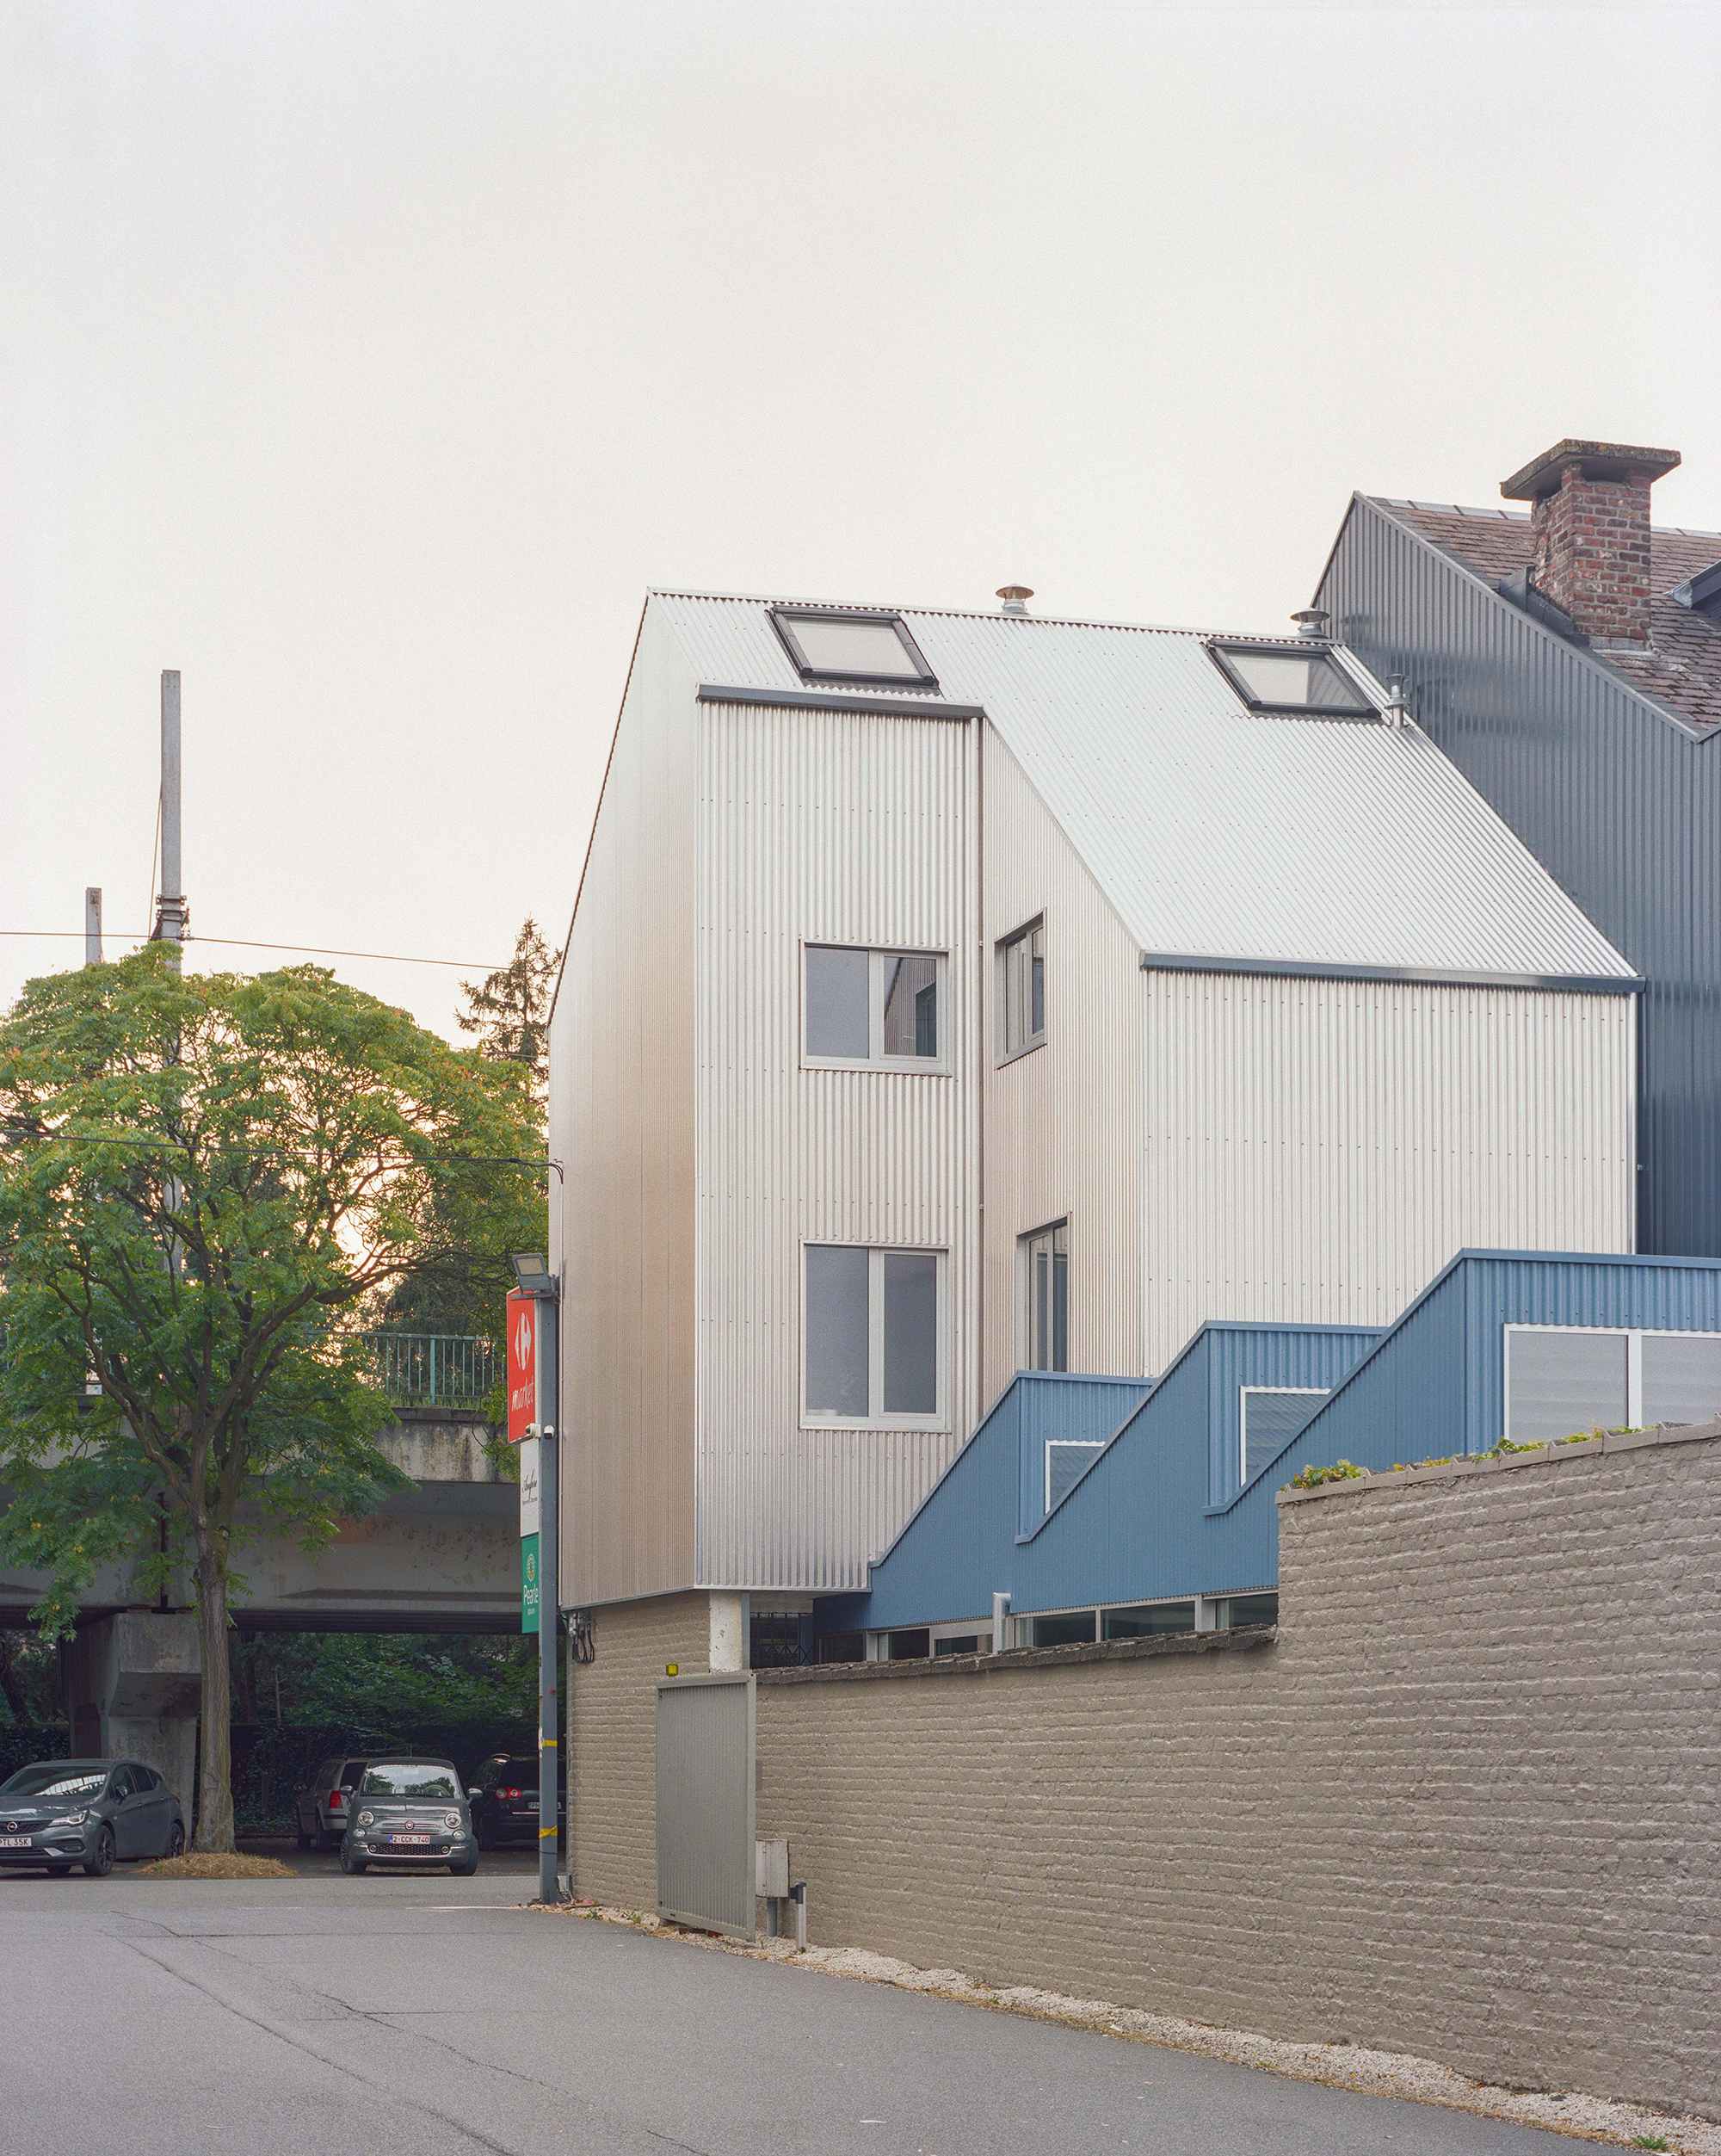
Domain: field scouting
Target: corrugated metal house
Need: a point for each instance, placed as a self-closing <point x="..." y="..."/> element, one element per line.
<point x="1094" y="1523"/>
<point x="948" y="994"/>
<point x="1568" y="659"/>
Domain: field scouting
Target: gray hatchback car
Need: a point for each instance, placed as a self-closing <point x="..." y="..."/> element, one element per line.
<point x="59" y="1813"/>
<point x="410" y="1812"/>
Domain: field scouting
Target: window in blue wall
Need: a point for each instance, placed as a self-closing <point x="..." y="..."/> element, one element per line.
<point x="1147" y="1620"/>
<point x="1563" y="1380"/>
<point x="1270" y="1416"/>
<point x="1065" y="1462"/>
<point x="1070" y="1628"/>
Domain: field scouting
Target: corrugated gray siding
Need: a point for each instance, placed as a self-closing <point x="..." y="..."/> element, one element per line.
<point x="1621" y="804"/>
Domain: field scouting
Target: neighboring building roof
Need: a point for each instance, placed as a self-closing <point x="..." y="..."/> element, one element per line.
<point x="1215" y="833"/>
<point x="1681" y="667"/>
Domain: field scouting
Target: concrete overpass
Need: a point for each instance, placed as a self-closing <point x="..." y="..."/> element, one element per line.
<point x="443" y="1556"/>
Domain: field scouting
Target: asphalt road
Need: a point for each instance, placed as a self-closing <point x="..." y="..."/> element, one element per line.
<point x="434" y="2017"/>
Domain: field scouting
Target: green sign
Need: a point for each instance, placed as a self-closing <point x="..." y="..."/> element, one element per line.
<point x="528" y="1583"/>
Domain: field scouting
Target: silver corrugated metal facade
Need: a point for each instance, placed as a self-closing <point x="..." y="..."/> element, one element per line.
<point x="1221" y="1144"/>
<point x="1622" y="803"/>
<point x="1057" y="1120"/>
<point x="621" y="1122"/>
<point x="821" y="827"/>
<point x="1315" y="1151"/>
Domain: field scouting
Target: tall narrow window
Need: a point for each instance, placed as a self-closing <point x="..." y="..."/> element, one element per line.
<point x="1021" y="990"/>
<point x="1045" y="1258"/>
<point x="874" y="1335"/>
<point x="873" y="1007"/>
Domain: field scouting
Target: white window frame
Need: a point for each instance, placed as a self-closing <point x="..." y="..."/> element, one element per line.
<point x="1001" y="949"/>
<point x="1067" y="1444"/>
<point x="1634" y="1338"/>
<point x="1244" y="1392"/>
<point x="878" y="1418"/>
<point x="1025" y="1289"/>
<point x="937" y="1065"/>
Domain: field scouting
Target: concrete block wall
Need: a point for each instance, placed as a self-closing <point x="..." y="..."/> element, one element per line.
<point x="1465" y="1802"/>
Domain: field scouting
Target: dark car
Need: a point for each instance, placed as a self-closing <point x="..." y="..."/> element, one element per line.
<point x="409" y="1812"/>
<point x="504" y="1800"/>
<point x="59" y="1813"/>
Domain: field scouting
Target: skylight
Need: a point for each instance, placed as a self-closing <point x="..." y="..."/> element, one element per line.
<point x="1302" y="681"/>
<point x="870" y="650"/>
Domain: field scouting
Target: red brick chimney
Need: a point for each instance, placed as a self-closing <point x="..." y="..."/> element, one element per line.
<point x="1591" y="524"/>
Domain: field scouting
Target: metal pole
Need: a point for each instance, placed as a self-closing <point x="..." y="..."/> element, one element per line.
<point x="170" y="901"/>
<point x="92" y="925"/>
<point x="549" y="1596"/>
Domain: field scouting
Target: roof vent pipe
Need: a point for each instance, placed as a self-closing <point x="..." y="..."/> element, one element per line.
<point x="1015" y="598"/>
<point x="1397" y="712"/>
<point x="1311" y="621"/>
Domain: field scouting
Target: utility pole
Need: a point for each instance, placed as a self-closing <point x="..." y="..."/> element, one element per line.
<point x="533" y="1277"/>
<point x="92" y="925"/>
<point x="171" y="915"/>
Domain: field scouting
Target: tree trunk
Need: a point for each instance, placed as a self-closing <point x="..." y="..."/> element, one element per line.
<point x="215" y="1775"/>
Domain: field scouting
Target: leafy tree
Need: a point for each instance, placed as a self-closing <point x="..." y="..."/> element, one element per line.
<point x="509" y="1010"/>
<point x="201" y="1181"/>
<point x="465" y="1290"/>
<point x="389" y="1680"/>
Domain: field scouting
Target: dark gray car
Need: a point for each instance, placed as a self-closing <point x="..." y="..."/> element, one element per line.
<point x="59" y="1813"/>
<point x="410" y="1812"/>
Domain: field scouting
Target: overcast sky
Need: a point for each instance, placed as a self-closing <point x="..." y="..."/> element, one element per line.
<point x="368" y="362"/>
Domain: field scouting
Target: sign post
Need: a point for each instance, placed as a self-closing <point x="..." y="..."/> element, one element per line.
<point x="533" y="1351"/>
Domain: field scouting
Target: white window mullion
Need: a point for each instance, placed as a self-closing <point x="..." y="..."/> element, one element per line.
<point x="875" y="1334"/>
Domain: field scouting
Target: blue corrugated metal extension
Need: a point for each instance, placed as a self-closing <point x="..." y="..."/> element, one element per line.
<point x="1162" y="1513"/>
<point x="1620" y="802"/>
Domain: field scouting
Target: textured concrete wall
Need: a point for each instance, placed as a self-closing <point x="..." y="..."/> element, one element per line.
<point x="1467" y="1803"/>
<point x="612" y="1740"/>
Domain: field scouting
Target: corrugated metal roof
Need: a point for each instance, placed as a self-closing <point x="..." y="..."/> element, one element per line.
<point x="1216" y="833"/>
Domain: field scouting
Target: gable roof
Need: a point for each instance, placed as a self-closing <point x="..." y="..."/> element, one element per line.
<point x="1682" y="666"/>
<point x="1217" y="834"/>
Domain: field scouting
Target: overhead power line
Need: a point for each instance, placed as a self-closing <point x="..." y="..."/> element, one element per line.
<point x="305" y="950"/>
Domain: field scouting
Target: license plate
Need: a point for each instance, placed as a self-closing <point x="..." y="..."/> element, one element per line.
<point x="16" y="1841"/>
<point x="532" y="1808"/>
<point x="410" y="1841"/>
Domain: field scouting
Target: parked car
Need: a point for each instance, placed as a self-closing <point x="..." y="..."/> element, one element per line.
<point x="504" y="1800"/>
<point x="325" y="1801"/>
<point x="55" y="1813"/>
<point x="410" y="1812"/>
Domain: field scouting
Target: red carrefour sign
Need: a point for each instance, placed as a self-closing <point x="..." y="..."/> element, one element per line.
<point x="522" y="1365"/>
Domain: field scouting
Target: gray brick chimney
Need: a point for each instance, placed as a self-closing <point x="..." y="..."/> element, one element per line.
<point x="1590" y="517"/>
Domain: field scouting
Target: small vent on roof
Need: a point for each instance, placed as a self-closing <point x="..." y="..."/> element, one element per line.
<point x="1015" y="598"/>
<point x="1311" y="621"/>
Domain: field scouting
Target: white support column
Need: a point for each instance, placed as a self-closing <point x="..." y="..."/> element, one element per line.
<point x="730" y="1629"/>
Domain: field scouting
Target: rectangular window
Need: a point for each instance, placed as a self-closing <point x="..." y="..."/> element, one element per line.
<point x="914" y="1645"/>
<point x="1564" y="1380"/>
<point x="877" y="1007"/>
<point x="1149" y="1619"/>
<point x="1021" y="990"/>
<point x="1066" y="1462"/>
<point x="1271" y="1416"/>
<point x="1681" y="1377"/>
<point x="833" y="643"/>
<point x="1071" y="1628"/>
<point x="1046" y="1298"/>
<point x="1560" y="1379"/>
<point x="1235" y="1610"/>
<point x="1300" y="681"/>
<point x="873" y="1330"/>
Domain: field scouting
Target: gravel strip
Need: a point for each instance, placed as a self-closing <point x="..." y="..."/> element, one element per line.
<point x="1398" y="2073"/>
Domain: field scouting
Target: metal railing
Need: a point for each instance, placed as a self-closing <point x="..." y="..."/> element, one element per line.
<point x="433" y="1370"/>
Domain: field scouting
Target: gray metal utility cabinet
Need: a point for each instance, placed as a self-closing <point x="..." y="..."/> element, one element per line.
<point x="706" y="1857"/>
